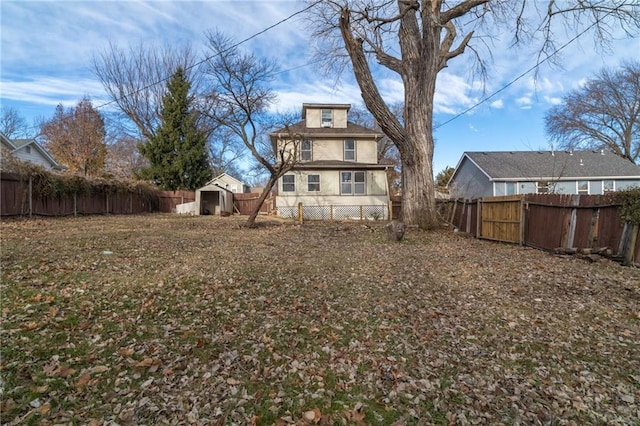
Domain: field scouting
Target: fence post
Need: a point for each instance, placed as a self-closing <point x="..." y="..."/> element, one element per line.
<point x="331" y="211"/>
<point x="361" y="218"/>
<point x="75" y="204"/>
<point x="523" y="213"/>
<point x="593" y="229"/>
<point x="479" y="218"/>
<point x="300" y="218"/>
<point x="30" y="196"/>
<point x="575" y="201"/>
<point x="130" y="202"/>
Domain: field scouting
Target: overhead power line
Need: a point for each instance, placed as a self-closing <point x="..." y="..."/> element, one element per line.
<point x="503" y="88"/>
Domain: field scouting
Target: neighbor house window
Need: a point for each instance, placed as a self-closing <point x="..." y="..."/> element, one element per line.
<point x="306" y="150"/>
<point x="543" y="187"/>
<point x="511" y="188"/>
<point x="313" y="183"/>
<point x="608" y="185"/>
<point x="352" y="183"/>
<point x="28" y="149"/>
<point x="349" y="150"/>
<point x="583" y="187"/>
<point x="327" y="118"/>
<point x="288" y="183"/>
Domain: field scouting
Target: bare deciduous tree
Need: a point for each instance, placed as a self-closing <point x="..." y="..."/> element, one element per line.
<point x="603" y="114"/>
<point x="240" y="92"/>
<point x="135" y="80"/>
<point x="416" y="40"/>
<point x="76" y="138"/>
<point x="12" y="124"/>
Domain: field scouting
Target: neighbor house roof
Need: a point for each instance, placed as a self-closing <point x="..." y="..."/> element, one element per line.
<point x="527" y="165"/>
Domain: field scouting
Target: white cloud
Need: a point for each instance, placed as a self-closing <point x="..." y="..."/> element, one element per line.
<point x="553" y="100"/>
<point x="499" y="104"/>
<point x="524" y="102"/>
<point x="452" y="94"/>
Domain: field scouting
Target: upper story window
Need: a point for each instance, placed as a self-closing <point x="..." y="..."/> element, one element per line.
<point x="327" y="118"/>
<point x="288" y="183"/>
<point x="28" y="149"/>
<point x="608" y="185"/>
<point x="306" y="150"/>
<point x="352" y="183"/>
<point x="349" y="150"/>
<point x="583" y="187"/>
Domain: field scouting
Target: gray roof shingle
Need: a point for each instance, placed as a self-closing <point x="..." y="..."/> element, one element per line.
<point x="553" y="164"/>
<point x="352" y="130"/>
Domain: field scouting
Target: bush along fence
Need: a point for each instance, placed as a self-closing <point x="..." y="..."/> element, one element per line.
<point x="591" y="226"/>
<point x="46" y="194"/>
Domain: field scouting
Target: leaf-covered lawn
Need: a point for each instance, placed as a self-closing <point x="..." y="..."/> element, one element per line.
<point x="161" y="319"/>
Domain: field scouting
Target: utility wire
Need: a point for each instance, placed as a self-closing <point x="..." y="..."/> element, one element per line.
<point x="282" y="21"/>
<point x="503" y="88"/>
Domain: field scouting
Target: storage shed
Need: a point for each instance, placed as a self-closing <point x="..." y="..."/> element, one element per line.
<point x="216" y="197"/>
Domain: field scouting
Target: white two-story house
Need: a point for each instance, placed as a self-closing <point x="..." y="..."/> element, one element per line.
<point x="337" y="175"/>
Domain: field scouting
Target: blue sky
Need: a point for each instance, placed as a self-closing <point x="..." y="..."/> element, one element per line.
<point x="46" y="50"/>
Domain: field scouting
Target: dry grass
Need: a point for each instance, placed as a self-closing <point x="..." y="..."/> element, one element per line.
<point x="199" y="320"/>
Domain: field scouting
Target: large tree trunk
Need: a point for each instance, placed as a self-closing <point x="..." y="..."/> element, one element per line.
<point x="418" y="69"/>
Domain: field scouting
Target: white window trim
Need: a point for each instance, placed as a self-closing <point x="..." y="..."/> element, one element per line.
<point x="548" y="191"/>
<point x="313" y="183"/>
<point x="515" y="187"/>
<point x="344" y="150"/>
<point x="604" y="190"/>
<point x="310" y="150"/>
<point x="353" y="183"/>
<point x="588" y="187"/>
<point x="323" y="121"/>
<point x="289" y="183"/>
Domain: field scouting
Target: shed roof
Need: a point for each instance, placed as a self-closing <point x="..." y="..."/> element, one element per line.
<point x="552" y="164"/>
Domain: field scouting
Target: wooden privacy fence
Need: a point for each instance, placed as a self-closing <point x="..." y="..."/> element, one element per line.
<point x="244" y="203"/>
<point x="548" y="221"/>
<point x="18" y="198"/>
<point x="168" y="200"/>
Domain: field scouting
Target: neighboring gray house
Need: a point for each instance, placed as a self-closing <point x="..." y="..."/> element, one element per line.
<point x="29" y="151"/>
<point x="481" y="174"/>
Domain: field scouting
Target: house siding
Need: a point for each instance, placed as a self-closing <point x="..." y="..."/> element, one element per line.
<point x="470" y="182"/>
<point x="333" y="149"/>
<point x="376" y="184"/>
<point x="34" y="157"/>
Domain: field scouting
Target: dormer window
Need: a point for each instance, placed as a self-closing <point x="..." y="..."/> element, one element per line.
<point x="327" y="118"/>
<point x="306" y="150"/>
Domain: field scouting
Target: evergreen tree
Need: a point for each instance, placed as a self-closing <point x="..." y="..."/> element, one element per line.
<point x="177" y="152"/>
